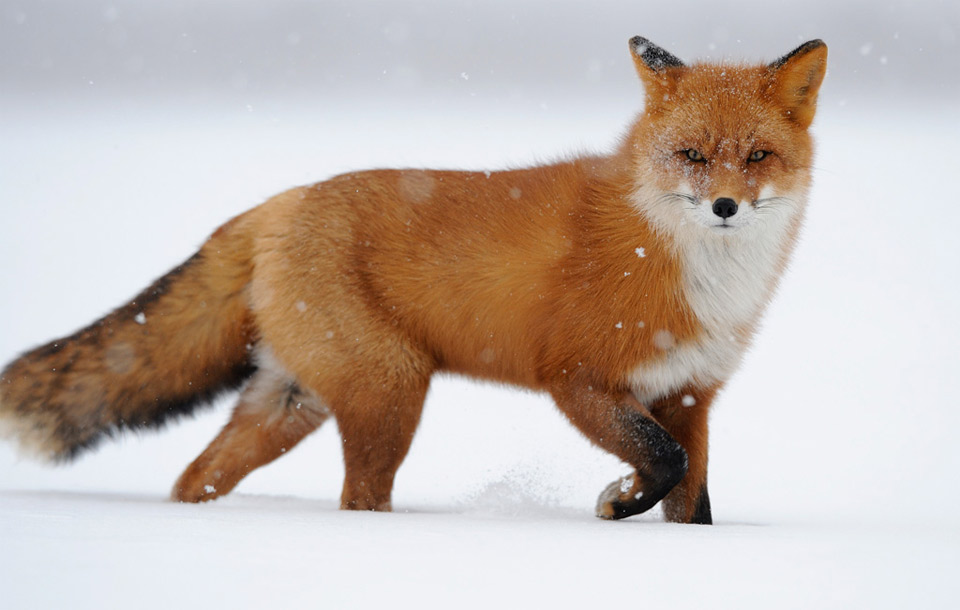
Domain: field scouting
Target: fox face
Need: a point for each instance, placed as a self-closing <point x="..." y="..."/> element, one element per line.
<point x="724" y="149"/>
<point x="721" y="160"/>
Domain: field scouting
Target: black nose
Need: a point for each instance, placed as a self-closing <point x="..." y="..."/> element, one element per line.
<point x="724" y="207"/>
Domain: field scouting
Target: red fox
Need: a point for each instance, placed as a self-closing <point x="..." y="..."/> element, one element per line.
<point x="626" y="286"/>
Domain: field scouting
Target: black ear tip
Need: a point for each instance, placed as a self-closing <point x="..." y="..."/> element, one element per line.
<point x="636" y="42"/>
<point x="803" y="49"/>
<point x="810" y="45"/>
<point x="652" y="55"/>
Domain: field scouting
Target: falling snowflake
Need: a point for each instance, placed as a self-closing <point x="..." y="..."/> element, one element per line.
<point x="664" y="339"/>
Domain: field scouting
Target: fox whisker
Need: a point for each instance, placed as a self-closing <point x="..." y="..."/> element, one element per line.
<point x="771" y="201"/>
<point x="670" y="195"/>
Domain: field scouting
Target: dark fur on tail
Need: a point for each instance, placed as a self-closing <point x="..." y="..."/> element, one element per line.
<point x="176" y="346"/>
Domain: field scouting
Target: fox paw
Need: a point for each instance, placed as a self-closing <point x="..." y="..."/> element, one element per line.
<point x="193" y="488"/>
<point x="623" y="498"/>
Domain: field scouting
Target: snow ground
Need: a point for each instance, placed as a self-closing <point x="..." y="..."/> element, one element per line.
<point x="833" y="451"/>
<point x="114" y="551"/>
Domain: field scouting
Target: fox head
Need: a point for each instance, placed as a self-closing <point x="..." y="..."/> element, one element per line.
<point x="723" y="149"/>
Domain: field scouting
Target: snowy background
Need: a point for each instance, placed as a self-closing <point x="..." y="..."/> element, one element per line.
<point x="130" y="130"/>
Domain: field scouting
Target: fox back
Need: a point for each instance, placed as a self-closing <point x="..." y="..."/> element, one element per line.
<point x="626" y="286"/>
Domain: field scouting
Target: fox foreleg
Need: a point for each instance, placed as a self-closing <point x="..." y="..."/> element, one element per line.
<point x="616" y="422"/>
<point x="683" y="416"/>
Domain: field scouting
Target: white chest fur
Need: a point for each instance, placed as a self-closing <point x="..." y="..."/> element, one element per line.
<point x="728" y="280"/>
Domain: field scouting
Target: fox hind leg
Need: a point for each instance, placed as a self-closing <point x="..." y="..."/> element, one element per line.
<point x="274" y="413"/>
<point x="377" y="425"/>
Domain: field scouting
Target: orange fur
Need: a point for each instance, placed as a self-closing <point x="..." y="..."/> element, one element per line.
<point x="574" y="279"/>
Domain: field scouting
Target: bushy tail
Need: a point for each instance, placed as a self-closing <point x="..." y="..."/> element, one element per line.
<point x="175" y="346"/>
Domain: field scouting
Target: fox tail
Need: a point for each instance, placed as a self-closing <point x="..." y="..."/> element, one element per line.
<point x="174" y="347"/>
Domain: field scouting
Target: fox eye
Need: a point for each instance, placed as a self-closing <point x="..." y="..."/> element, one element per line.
<point x="694" y="155"/>
<point x="758" y="155"/>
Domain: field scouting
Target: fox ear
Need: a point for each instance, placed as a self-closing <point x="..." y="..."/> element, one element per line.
<point x="796" y="78"/>
<point x="656" y="67"/>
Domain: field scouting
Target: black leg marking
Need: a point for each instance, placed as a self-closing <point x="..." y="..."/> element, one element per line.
<point x="702" y="514"/>
<point x="662" y="463"/>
